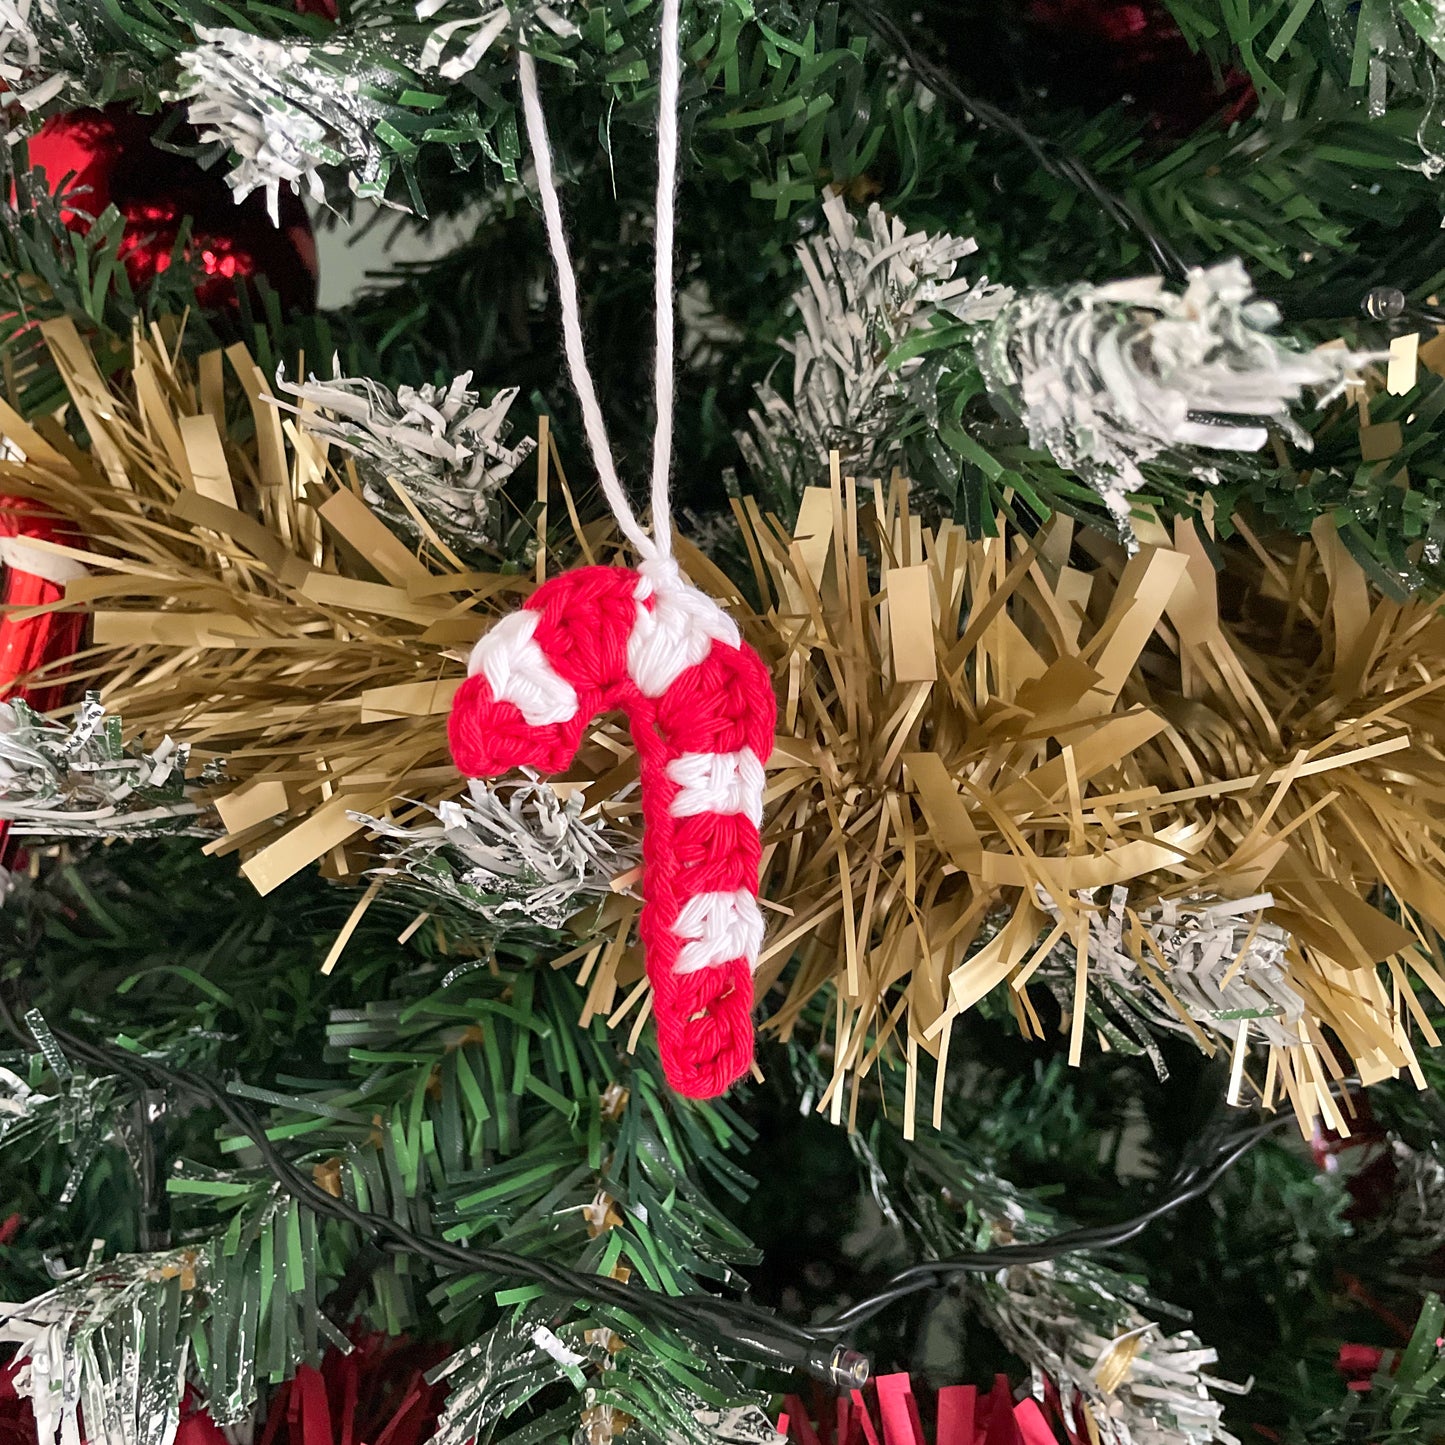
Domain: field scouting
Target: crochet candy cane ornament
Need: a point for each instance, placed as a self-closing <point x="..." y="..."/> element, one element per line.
<point x="699" y="700"/>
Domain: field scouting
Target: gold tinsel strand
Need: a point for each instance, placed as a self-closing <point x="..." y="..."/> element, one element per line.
<point x="981" y="741"/>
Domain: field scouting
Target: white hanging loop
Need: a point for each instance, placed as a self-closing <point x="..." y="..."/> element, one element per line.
<point x="659" y="545"/>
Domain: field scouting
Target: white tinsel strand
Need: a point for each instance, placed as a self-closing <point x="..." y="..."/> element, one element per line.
<point x="1227" y="968"/>
<point x="513" y="854"/>
<point x="84" y="782"/>
<point x="478" y="32"/>
<point x="443" y="447"/>
<point x="81" y="1347"/>
<point x="1107" y="378"/>
<point x="75" y="1108"/>
<point x="21" y="58"/>
<point x="285" y="110"/>
<point x="1081" y="1325"/>
<point x="870" y="285"/>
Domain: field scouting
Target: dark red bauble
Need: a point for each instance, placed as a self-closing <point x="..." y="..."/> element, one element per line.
<point x="1116" y="49"/>
<point x="1143" y="26"/>
<point x="113" y="161"/>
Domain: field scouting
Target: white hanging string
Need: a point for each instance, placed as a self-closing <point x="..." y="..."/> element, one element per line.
<point x="660" y="544"/>
<point x="663" y="302"/>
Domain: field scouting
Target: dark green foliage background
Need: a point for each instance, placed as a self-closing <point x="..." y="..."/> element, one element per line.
<point x="1269" y="1264"/>
<point x="1063" y="163"/>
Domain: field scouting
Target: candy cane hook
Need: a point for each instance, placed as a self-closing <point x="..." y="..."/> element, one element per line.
<point x="702" y="712"/>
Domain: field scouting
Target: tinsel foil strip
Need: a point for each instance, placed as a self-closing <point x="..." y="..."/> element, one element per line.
<point x="980" y="739"/>
<point x="245" y="590"/>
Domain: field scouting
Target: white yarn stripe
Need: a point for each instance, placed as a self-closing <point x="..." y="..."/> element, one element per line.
<point x="676" y="632"/>
<point x="718" y="927"/>
<point x="726" y="783"/>
<point x="592" y="422"/>
<point x="518" y="672"/>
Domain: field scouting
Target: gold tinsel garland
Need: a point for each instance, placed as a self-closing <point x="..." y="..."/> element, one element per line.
<point x="991" y="751"/>
<point x="1007" y="725"/>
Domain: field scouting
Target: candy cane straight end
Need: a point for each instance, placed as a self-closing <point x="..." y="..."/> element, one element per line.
<point x="701" y="707"/>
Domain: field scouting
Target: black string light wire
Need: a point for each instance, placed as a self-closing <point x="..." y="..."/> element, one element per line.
<point x="1050" y="157"/>
<point x="736" y="1326"/>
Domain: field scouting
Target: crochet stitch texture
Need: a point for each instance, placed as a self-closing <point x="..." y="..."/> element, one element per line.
<point x="701" y="708"/>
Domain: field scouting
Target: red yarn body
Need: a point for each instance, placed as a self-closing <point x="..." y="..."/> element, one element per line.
<point x="722" y="704"/>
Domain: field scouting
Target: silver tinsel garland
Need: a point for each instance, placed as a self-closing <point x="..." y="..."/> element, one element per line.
<point x="1075" y="1320"/>
<point x="73" y="1108"/>
<point x="1226" y="967"/>
<point x="478" y="32"/>
<point x="81" y="1347"/>
<point x="1107" y="378"/>
<point x="497" y="1374"/>
<point x="870" y="285"/>
<point x="86" y="782"/>
<point x="1092" y="1331"/>
<point x="285" y="110"/>
<point x="512" y="854"/>
<point x="443" y="447"/>
<point x="107" y="1354"/>
<point x="21" y="68"/>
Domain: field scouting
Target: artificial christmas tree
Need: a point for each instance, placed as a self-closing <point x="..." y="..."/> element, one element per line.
<point x="1060" y="454"/>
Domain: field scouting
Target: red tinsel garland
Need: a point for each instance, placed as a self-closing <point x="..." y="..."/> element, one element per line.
<point x="887" y="1413"/>
<point x="375" y="1394"/>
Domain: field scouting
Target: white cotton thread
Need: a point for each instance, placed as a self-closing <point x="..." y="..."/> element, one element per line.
<point x="716" y="928"/>
<point x="668" y="77"/>
<point x="723" y="783"/>
<point x="518" y="672"/>
<point x="669" y="71"/>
